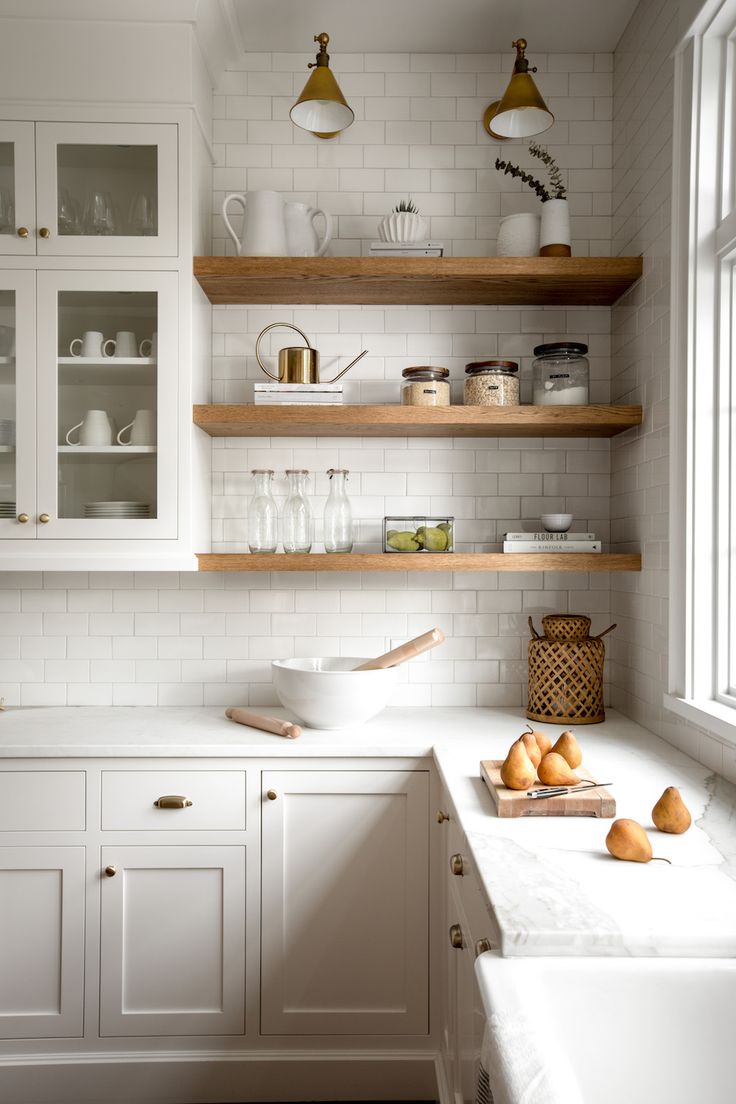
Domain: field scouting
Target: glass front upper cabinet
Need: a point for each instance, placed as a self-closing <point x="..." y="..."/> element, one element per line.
<point x="17" y="405"/>
<point x="107" y="406"/>
<point x="87" y="189"/>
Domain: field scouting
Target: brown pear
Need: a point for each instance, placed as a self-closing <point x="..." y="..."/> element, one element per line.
<point x="543" y="741"/>
<point x="517" y="771"/>
<point x="628" y="840"/>
<point x="555" y="771"/>
<point x="532" y="747"/>
<point x="671" y="814"/>
<point x="568" y="747"/>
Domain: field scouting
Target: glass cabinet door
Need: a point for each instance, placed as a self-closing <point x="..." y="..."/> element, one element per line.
<point x="17" y="190"/>
<point x="107" y="190"/>
<point x="17" y="405"/>
<point x="107" y="405"/>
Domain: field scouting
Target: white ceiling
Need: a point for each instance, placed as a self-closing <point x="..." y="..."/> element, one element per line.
<point x="432" y="26"/>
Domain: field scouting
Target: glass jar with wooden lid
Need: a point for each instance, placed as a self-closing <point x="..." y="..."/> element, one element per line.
<point x="491" y="383"/>
<point x="425" y="385"/>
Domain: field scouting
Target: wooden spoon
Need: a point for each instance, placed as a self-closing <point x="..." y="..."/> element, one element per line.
<point x="404" y="652"/>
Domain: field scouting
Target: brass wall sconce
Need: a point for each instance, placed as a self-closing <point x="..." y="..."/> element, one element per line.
<point x="321" y="108"/>
<point x="521" y="112"/>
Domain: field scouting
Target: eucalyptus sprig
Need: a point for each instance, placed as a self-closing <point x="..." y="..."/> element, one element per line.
<point x="524" y="177"/>
<point x="559" y="191"/>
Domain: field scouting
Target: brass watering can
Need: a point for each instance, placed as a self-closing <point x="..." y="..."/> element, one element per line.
<point x="297" y="365"/>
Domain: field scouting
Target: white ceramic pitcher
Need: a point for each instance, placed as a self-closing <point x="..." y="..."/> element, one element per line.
<point x="264" y="225"/>
<point x="302" y="238"/>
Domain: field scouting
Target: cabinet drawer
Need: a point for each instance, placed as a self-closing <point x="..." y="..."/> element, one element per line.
<point x="42" y="801"/>
<point x="217" y="800"/>
<point x="466" y="889"/>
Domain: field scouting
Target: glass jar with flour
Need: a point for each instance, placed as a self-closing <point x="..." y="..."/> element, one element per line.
<point x="561" y="374"/>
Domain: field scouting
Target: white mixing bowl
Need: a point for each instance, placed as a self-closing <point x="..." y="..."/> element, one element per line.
<point x="329" y="693"/>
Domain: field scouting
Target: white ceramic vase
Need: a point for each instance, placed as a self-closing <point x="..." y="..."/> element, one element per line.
<point x="402" y="226"/>
<point x="518" y="236"/>
<point x="554" y="233"/>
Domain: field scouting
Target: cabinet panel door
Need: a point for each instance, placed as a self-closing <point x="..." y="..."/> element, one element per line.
<point x="41" y="942"/>
<point x="91" y="486"/>
<point x="17" y="405"/>
<point x="345" y="891"/>
<point x="173" y="941"/>
<point x="107" y="189"/>
<point x="17" y="190"/>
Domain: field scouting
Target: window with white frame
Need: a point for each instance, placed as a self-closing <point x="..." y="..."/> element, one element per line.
<point x="702" y="683"/>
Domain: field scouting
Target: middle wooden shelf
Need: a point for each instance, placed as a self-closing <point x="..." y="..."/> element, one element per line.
<point x="248" y="420"/>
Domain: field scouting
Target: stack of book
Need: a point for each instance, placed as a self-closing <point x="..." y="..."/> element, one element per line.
<point x="407" y="249"/>
<point x="551" y="542"/>
<point x="297" y="394"/>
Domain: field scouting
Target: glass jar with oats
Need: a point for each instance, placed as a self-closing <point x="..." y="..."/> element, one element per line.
<point x="491" y="383"/>
<point x="425" y="386"/>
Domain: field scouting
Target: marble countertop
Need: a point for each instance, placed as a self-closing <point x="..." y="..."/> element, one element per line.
<point x="551" y="885"/>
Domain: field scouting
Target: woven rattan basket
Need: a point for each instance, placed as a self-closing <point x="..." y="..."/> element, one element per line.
<point x="566" y="671"/>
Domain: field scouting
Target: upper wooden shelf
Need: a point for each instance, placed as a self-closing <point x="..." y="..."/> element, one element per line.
<point x="247" y="420"/>
<point x="420" y="561"/>
<point x="399" y="281"/>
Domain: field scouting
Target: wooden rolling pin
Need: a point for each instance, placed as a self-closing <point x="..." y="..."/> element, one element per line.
<point x="404" y="652"/>
<point x="265" y="724"/>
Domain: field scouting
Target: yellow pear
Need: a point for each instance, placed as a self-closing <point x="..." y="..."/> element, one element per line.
<point x="568" y="747"/>
<point x="671" y="814"/>
<point x="517" y="771"/>
<point x="532" y="747"/>
<point x="555" y="771"/>
<point x="543" y="741"/>
<point x="628" y="840"/>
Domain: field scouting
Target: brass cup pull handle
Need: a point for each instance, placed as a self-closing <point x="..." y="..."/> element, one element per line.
<point x="23" y="518"/>
<point x="44" y="519"/>
<point x="44" y="232"/>
<point x="456" y="937"/>
<point x="173" y="801"/>
<point x="482" y="946"/>
<point x="22" y="231"/>
<point x="441" y="816"/>
<point x="456" y="865"/>
<point x="271" y="795"/>
<point x="110" y="871"/>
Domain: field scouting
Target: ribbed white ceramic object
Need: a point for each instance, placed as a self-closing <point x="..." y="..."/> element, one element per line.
<point x="402" y="227"/>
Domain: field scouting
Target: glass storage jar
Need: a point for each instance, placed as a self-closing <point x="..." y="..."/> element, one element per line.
<point x="491" y="383"/>
<point x="263" y="514"/>
<point x="418" y="534"/>
<point x="296" y="518"/>
<point x="338" y="516"/>
<point x="561" y="374"/>
<point x="425" y="386"/>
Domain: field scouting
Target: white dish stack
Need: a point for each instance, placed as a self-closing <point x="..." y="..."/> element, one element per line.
<point x="105" y="510"/>
<point x="7" y="509"/>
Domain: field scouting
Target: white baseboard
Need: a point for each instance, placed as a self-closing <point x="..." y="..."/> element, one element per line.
<point x="211" y="1078"/>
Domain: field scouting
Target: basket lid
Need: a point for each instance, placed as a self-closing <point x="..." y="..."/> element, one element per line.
<point x="566" y="626"/>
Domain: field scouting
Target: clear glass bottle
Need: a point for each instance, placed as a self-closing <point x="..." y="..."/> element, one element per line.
<point x="338" y="517"/>
<point x="263" y="514"/>
<point x="296" y="519"/>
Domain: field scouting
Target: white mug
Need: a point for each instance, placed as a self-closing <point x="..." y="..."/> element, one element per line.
<point x="94" y="429"/>
<point x="142" y="429"/>
<point x="149" y="347"/>
<point x="90" y="345"/>
<point x="124" y="345"/>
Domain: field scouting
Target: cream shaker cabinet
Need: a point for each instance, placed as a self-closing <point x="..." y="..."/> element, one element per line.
<point x="71" y="189"/>
<point x="344" y="909"/>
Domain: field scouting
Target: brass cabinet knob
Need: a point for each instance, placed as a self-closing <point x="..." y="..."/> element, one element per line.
<point x="110" y="871"/>
<point x="44" y="232"/>
<point x="271" y="795"/>
<point x="22" y="231"/>
<point x="456" y="937"/>
<point x="442" y="816"/>
<point x="173" y="801"/>
<point x="23" y="518"/>
<point x="44" y="519"/>
<point x="482" y="946"/>
<point x="456" y="865"/>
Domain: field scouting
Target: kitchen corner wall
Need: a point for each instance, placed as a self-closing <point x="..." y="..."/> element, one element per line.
<point x="642" y="200"/>
<point x="148" y="639"/>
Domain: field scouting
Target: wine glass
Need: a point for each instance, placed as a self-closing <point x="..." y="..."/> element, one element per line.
<point x="7" y="214"/>
<point x="142" y="214"/>
<point x="68" y="214"/>
<point x="100" y="213"/>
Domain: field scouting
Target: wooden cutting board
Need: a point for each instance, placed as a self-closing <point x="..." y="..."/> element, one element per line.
<point x="515" y="803"/>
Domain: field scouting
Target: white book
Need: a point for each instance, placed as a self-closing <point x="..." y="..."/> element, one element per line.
<point x="552" y="546"/>
<point x="297" y="388"/>
<point x="313" y="400"/>
<point x="545" y="536"/>
<point x="407" y="249"/>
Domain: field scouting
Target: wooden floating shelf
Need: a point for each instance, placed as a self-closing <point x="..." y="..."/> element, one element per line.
<point x="420" y="561"/>
<point x="248" y="420"/>
<point x="401" y="281"/>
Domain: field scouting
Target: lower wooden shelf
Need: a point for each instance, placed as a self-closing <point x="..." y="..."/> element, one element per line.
<point x="421" y="561"/>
